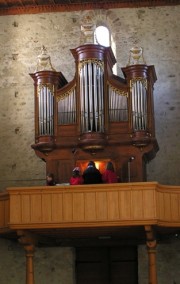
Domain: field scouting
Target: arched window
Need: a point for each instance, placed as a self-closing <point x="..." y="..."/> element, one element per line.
<point x="102" y="36"/>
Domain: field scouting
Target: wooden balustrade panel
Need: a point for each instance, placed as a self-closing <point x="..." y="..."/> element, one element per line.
<point x="90" y="205"/>
<point x="26" y="208"/>
<point x="168" y="205"/>
<point x="57" y="207"/>
<point x="94" y="205"/>
<point x="66" y="206"/>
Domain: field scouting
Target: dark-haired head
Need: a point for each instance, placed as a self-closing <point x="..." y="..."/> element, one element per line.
<point x="110" y="166"/>
<point x="76" y="172"/>
<point x="92" y="164"/>
<point x="50" y="175"/>
<point x="50" y="179"/>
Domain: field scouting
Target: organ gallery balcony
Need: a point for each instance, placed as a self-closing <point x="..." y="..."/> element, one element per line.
<point x="64" y="212"/>
<point x="104" y="215"/>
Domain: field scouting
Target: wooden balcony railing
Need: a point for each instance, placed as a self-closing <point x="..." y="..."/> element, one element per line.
<point x="4" y="212"/>
<point x="106" y="205"/>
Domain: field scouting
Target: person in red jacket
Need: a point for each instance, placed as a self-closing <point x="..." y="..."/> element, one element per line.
<point x="76" y="177"/>
<point x="109" y="176"/>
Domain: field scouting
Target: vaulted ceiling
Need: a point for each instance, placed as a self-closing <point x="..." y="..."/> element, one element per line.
<point x="15" y="7"/>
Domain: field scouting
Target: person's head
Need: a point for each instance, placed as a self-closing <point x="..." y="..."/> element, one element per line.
<point x="76" y="172"/>
<point x="49" y="177"/>
<point x="110" y="166"/>
<point x="91" y="164"/>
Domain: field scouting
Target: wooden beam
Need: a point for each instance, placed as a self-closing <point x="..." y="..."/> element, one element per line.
<point x="37" y="9"/>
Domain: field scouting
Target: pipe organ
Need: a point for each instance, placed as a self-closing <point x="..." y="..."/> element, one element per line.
<point x="97" y="116"/>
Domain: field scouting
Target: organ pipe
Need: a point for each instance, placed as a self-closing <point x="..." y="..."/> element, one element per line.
<point x="117" y="104"/>
<point x="91" y="95"/>
<point x="46" y="109"/>
<point x="67" y="107"/>
<point x="139" y="104"/>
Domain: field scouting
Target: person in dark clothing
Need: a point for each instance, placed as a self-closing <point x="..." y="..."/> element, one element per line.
<point x="92" y="175"/>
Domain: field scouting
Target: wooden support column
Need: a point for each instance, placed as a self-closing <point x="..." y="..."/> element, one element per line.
<point x="29" y="264"/>
<point x="28" y="241"/>
<point x="151" y="248"/>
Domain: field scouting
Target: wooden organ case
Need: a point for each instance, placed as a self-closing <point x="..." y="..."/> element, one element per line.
<point x="97" y="116"/>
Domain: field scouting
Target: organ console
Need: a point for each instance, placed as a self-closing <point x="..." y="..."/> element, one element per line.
<point x="97" y="116"/>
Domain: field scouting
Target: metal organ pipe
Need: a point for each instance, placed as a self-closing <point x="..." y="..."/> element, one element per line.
<point x="52" y="113"/>
<point x="133" y="108"/>
<point x="40" y="112"/>
<point x="101" y="100"/>
<point x="86" y="110"/>
<point x="82" y="101"/>
<point x="139" y="104"/>
<point x="46" y="111"/>
<point x="72" y="106"/>
<point x="117" y="104"/>
<point x="67" y="107"/>
<point x="95" y="96"/>
<point x="144" y="106"/>
<point x="91" y="96"/>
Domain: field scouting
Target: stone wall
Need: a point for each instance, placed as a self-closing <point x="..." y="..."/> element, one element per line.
<point x="21" y="39"/>
<point x="168" y="260"/>
<point x="51" y="265"/>
<point x="57" y="265"/>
